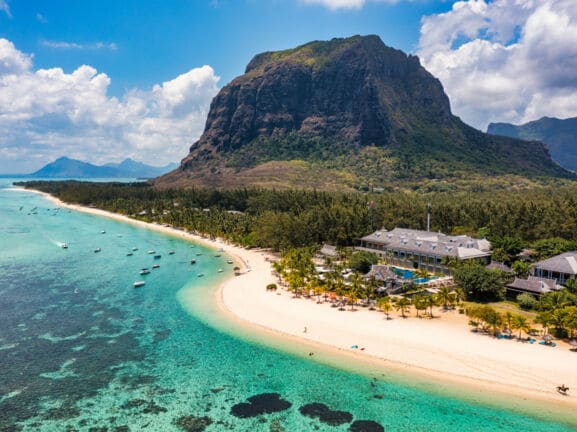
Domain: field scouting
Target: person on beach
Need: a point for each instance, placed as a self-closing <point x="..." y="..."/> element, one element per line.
<point x="305" y="330"/>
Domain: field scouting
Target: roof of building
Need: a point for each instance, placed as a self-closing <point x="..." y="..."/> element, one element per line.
<point x="564" y="263"/>
<point x="431" y="243"/>
<point x="498" y="265"/>
<point x="535" y="285"/>
<point x="329" y="250"/>
<point x="381" y="272"/>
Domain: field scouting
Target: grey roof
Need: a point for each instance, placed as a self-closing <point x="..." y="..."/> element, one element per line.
<point x="564" y="263"/>
<point x="381" y="272"/>
<point x="433" y="243"/>
<point x="497" y="265"/>
<point x="328" y="250"/>
<point x="535" y="285"/>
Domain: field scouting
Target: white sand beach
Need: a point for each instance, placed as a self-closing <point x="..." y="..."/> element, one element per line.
<point x="441" y="351"/>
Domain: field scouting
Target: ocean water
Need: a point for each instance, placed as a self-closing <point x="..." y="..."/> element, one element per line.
<point x="82" y="350"/>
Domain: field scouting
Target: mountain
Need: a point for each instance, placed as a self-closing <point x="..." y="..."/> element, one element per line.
<point x="344" y="113"/>
<point x="559" y="135"/>
<point x="71" y="168"/>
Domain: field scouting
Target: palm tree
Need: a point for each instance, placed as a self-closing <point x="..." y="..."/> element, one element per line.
<point x="402" y="304"/>
<point x="520" y="323"/>
<point x="385" y="305"/>
<point x="429" y="302"/>
<point x="445" y="296"/>
<point x="419" y="303"/>
<point x="508" y="318"/>
<point x="356" y="289"/>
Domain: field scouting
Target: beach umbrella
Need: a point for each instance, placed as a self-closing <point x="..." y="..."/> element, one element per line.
<point x="547" y="338"/>
<point x="507" y="331"/>
<point x="573" y="342"/>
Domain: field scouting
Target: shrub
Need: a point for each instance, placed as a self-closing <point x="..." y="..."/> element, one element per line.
<point x="527" y="301"/>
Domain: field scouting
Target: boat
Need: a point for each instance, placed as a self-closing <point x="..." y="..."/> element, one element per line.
<point x="129" y="254"/>
<point x="64" y="246"/>
<point x="97" y="250"/>
<point x="198" y="254"/>
<point x="144" y="271"/>
<point x="229" y="262"/>
<point x="200" y="275"/>
<point x="155" y="266"/>
<point x="171" y="253"/>
<point x="150" y="252"/>
<point x="220" y="270"/>
<point x="134" y="248"/>
<point x="102" y="232"/>
<point x="193" y="261"/>
<point x="157" y="256"/>
<point x="138" y="284"/>
<point x="217" y="255"/>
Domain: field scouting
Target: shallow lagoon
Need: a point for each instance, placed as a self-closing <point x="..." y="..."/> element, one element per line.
<point x="111" y="357"/>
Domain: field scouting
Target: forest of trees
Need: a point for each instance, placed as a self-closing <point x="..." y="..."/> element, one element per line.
<point x="544" y="219"/>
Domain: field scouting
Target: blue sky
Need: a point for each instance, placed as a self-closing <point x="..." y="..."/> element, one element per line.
<point x="147" y="42"/>
<point x="101" y="81"/>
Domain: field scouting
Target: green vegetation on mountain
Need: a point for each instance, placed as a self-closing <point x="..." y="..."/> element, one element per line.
<point x="349" y="113"/>
<point x="559" y="135"/>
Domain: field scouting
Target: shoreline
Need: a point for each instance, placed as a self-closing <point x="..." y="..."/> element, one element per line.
<point x="440" y="356"/>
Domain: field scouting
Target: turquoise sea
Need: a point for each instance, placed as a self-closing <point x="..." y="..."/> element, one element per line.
<point x="82" y="350"/>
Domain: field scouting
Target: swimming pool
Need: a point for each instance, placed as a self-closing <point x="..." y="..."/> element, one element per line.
<point x="408" y="274"/>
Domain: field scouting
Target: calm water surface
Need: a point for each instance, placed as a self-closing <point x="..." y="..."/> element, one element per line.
<point x="81" y="349"/>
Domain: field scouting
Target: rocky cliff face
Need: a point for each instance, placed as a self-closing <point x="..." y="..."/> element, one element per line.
<point x="343" y="105"/>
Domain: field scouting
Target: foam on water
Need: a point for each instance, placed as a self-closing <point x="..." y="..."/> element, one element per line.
<point x="84" y="349"/>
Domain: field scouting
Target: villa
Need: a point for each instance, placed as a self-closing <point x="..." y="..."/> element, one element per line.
<point x="532" y="285"/>
<point x="417" y="249"/>
<point x="559" y="268"/>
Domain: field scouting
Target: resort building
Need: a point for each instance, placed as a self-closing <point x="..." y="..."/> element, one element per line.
<point x="559" y="268"/>
<point x="532" y="285"/>
<point x="417" y="249"/>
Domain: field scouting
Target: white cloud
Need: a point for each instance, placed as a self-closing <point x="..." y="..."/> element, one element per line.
<point x="347" y="4"/>
<point x="77" y="46"/>
<point x="47" y="113"/>
<point x="41" y="18"/>
<point x="4" y="7"/>
<point x="505" y="60"/>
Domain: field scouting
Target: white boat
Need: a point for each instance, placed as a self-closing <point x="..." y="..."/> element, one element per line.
<point x="171" y="253"/>
<point x="150" y="252"/>
<point x="144" y="271"/>
<point x="229" y="262"/>
<point x="97" y="250"/>
<point x="200" y="275"/>
<point x="134" y="248"/>
<point x="129" y="254"/>
<point x="138" y="284"/>
<point x="155" y="266"/>
<point x="64" y="246"/>
<point x="102" y="232"/>
<point x="220" y="270"/>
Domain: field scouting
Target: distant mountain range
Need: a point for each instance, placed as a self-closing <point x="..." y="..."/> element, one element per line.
<point x="559" y="135"/>
<point x="71" y="168"/>
<point x="344" y="113"/>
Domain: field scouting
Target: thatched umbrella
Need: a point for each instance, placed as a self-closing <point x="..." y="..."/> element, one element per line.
<point x="573" y="343"/>
<point x="548" y="338"/>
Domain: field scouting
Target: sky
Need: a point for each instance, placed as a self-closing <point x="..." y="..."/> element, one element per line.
<point x="105" y="80"/>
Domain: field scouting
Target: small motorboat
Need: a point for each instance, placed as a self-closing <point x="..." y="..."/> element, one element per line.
<point x="150" y="252"/>
<point x="171" y="253"/>
<point x="64" y="246"/>
<point x="102" y="232"/>
<point x="97" y="250"/>
<point x="144" y="271"/>
<point x="198" y="254"/>
<point x="220" y="270"/>
<point x="155" y="266"/>
<point x="157" y="256"/>
<point x="200" y="275"/>
<point x="138" y="284"/>
<point x="193" y="261"/>
<point x="134" y="248"/>
<point x="229" y="262"/>
<point x="129" y="254"/>
<point x="217" y="255"/>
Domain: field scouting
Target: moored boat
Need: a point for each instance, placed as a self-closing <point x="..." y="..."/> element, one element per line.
<point x="171" y="253"/>
<point x="151" y="251"/>
<point x="144" y="271"/>
<point x="157" y="256"/>
<point x="193" y="261"/>
<point x="138" y="284"/>
<point x="155" y="266"/>
<point x="97" y="250"/>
